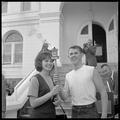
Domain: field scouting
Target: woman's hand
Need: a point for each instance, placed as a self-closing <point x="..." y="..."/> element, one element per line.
<point x="56" y="89"/>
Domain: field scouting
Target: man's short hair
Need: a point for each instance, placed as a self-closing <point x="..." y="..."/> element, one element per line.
<point x="77" y="47"/>
<point x="105" y="65"/>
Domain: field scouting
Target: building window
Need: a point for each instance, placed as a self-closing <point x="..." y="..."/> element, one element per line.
<point x="7" y="53"/>
<point x="18" y="53"/>
<point x="111" y="26"/>
<point x="84" y="31"/>
<point x="25" y="6"/>
<point x="4" y="7"/>
<point x="13" y="49"/>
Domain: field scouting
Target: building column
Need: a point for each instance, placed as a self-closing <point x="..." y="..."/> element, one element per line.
<point x="61" y="43"/>
<point x="49" y="23"/>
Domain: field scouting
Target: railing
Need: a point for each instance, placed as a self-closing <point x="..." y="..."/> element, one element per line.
<point x="19" y="96"/>
<point x="23" y="80"/>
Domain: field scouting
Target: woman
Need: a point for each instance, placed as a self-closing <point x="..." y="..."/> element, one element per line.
<point x="42" y="90"/>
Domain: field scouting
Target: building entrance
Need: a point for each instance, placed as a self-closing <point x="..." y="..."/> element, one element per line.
<point x="99" y="37"/>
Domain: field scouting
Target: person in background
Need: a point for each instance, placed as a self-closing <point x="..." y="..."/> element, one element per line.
<point x="41" y="90"/>
<point x="82" y="83"/>
<point x="45" y="47"/>
<point x="3" y="96"/>
<point x="110" y="79"/>
<point x="106" y="74"/>
<point x="90" y="53"/>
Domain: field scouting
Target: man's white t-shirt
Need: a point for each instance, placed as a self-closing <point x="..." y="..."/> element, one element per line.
<point x="79" y="83"/>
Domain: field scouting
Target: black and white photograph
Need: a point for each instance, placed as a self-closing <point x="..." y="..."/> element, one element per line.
<point x="59" y="59"/>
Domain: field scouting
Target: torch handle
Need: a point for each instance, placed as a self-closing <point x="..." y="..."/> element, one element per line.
<point x="56" y="76"/>
<point x="56" y="70"/>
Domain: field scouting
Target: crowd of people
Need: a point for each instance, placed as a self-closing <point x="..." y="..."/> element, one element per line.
<point x="81" y="84"/>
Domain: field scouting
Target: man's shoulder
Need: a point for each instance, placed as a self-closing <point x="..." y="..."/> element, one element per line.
<point x="89" y="67"/>
<point x="115" y="74"/>
<point x="69" y="73"/>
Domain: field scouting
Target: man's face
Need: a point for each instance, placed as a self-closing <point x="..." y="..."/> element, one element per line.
<point x="89" y="43"/>
<point x="75" y="56"/>
<point x="106" y="71"/>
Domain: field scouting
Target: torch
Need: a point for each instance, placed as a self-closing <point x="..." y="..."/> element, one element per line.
<point x="55" y="57"/>
<point x="55" y="76"/>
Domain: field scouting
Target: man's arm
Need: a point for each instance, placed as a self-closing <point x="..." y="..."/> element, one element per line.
<point x="101" y="89"/>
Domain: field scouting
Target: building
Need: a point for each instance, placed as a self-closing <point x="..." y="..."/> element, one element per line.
<point x="25" y="26"/>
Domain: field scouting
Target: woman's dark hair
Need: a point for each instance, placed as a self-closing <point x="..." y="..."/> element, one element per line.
<point x="39" y="58"/>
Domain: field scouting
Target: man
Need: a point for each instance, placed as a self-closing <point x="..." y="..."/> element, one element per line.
<point x="106" y="74"/>
<point x="81" y="83"/>
<point x="90" y="52"/>
<point x="110" y="78"/>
